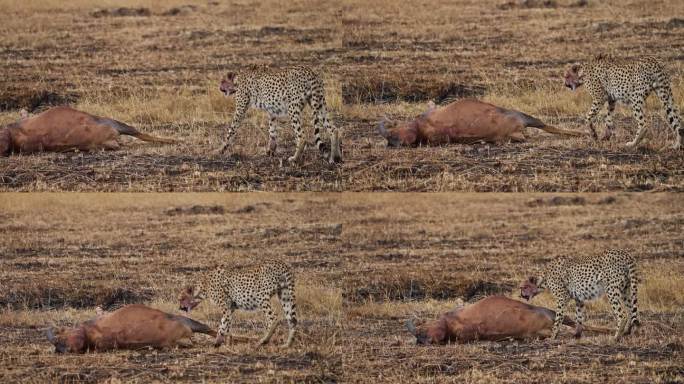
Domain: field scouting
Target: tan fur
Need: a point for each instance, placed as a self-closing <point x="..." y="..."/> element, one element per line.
<point x="464" y="121"/>
<point x="492" y="318"/>
<point x="131" y="327"/>
<point x="63" y="129"/>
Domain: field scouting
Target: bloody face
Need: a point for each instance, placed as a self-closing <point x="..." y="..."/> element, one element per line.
<point x="227" y="86"/>
<point x="188" y="300"/>
<point x="573" y="79"/>
<point x="529" y="288"/>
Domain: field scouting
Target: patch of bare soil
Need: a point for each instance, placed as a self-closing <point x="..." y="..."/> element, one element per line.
<point x="196" y="210"/>
<point x="34" y="100"/>
<point x="122" y="11"/>
<point x="390" y="89"/>
<point x="406" y="288"/>
<point x="478" y="167"/>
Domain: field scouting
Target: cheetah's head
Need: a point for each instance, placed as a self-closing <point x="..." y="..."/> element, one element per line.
<point x="574" y="77"/>
<point x="189" y="298"/>
<point x="530" y="287"/>
<point x="228" y="86"/>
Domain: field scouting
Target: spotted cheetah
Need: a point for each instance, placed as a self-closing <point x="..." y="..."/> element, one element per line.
<point x="247" y="288"/>
<point x="588" y="278"/>
<point x="610" y="80"/>
<point x="280" y="92"/>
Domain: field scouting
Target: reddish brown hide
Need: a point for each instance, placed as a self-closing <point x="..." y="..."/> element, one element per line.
<point x="464" y="121"/>
<point x="64" y="128"/>
<point x="492" y="318"/>
<point x="131" y="327"/>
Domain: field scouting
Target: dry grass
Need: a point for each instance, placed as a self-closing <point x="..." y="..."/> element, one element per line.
<point x="417" y="255"/>
<point x="159" y="71"/>
<point x="63" y="255"/>
<point x="365" y="263"/>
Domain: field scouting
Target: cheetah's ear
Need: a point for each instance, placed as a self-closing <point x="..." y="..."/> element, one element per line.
<point x="577" y="69"/>
<point x="189" y="289"/>
<point x="230" y="76"/>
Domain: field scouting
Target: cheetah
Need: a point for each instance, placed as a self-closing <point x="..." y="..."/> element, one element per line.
<point x="610" y="80"/>
<point x="280" y="92"/>
<point x="614" y="272"/>
<point x="247" y="288"/>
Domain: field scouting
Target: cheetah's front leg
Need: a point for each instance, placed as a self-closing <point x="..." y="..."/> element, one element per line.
<point x="240" y="110"/>
<point x="609" y="121"/>
<point x="561" y="302"/>
<point x="270" y="321"/>
<point x="224" y="328"/>
<point x="591" y="115"/>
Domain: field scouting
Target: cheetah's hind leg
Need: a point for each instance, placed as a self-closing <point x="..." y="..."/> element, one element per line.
<point x="271" y="322"/>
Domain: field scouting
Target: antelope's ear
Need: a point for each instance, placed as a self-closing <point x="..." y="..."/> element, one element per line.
<point x="230" y="76"/>
<point x="532" y="279"/>
<point x="51" y="335"/>
<point x="382" y="127"/>
<point x="411" y="327"/>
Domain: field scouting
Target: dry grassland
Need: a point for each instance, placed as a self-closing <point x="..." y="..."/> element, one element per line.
<point x="63" y="255"/>
<point x="416" y="256"/>
<point x="365" y="263"/>
<point x="156" y="65"/>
